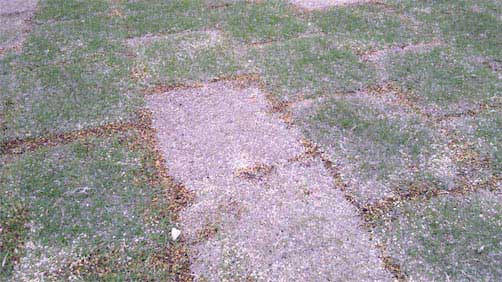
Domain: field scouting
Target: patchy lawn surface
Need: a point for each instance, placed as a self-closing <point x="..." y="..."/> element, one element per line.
<point x="361" y="138"/>
<point x="83" y="211"/>
<point x="262" y="21"/>
<point x="185" y="58"/>
<point x="242" y="177"/>
<point x="381" y="146"/>
<point x="369" y="27"/>
<point x="307" y="67"/>
<point x="448" y="238"/>
<point x="444" y="81"/>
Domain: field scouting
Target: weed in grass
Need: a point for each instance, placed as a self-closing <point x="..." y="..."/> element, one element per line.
<point x="262" y="22"/>
<point x="86" y="207"/>
<point x="309" y="67"/>
<point x="382" y="148"/>
<point x="448" y="238"/>
<point x="184" y="59"/>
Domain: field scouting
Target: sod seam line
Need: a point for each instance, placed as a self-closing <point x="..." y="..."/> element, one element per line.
<point x="20" y="146"/>
<point x="313" y="151"/>
<point x="160" y="89"/>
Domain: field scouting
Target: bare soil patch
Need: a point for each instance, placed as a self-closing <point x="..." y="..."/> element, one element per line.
<point x="210" y="39"/>
<point x="15" y="7"/>
<point x="324" y="4"/>
<point x="217" y="130"/>
<point x="373" y="166"/>
<point x="14" y="26"/>
<point x="257" y="215"/>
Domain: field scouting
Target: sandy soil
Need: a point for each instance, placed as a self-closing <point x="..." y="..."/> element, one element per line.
<point x="14" y="27"/>
<point x="324" y="4"/>
<point x="256" y="215"/>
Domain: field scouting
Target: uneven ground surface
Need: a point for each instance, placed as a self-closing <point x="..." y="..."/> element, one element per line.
<point x="286" y="140"/>
<point x="14" y="23"/>
<point x="323" y="4"/>
<point x="270" y="218"/>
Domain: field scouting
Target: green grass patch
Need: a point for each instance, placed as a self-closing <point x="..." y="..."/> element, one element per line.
<point x="489" y="129"/>
<point x="84" y="210"/>
<point x="65" y="97"/>
<point x="310" y="67"/>
<point x="384" y="147"/>
<point x="443" y="80"/>
<point x="74" y="40"/>
<point x="263" y="21"/>
<point x="185" y="58"/>
<point x="70" y="9"/>
<point x="369" y="27"/>
<point x="465" y="24"/>
<point x="448" y="238"/>
<point x="151" y="17"/>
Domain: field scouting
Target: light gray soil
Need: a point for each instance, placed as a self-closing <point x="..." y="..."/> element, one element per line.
<point x="324" y="4"/>
<point x="9" y="7"/>
<point x="256" y="214"/>
<point x="212" y="132"/>
<point x="13" y="23"/>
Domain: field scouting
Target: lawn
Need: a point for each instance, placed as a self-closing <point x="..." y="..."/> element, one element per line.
<point x="415" y="133"/>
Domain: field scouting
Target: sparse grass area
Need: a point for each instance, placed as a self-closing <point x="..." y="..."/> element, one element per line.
<point x="262" y="21"/>
<point x="71" y="74"/>
<point x="151" y="17"/>
<point x="88" y="210"/>
<point x="83" y="210"/>
<point x="64" y="97"/>
<point x="309" y="67"/>
<point x="484" y="134"/>
<point x="466" y="24"/>
<point x="383" y="147"/>
<point x="185" y="58"/>
<point x="443" y="81"/>
<point x="368" y="27"/>
<point x="448" y="238"/>
<point x="489" y="129"/>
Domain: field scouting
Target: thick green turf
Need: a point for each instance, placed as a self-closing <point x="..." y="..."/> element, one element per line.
<point x="466" y="24"/>
<point x="70" y="75"/>
<point x="74" y="40"/>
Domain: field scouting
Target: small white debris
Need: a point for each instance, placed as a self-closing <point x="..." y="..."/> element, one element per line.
<point x="175" y="233"/>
